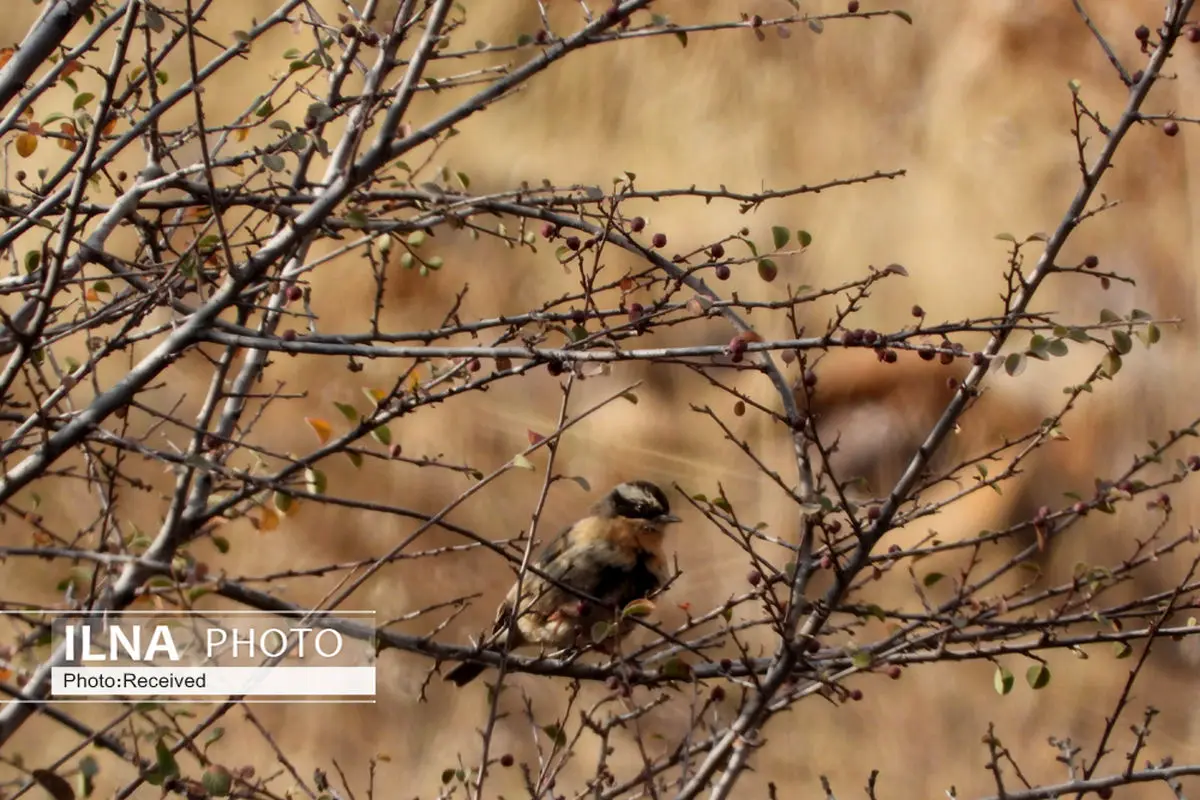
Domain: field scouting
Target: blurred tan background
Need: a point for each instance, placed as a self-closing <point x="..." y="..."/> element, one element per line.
<point x="972" y="101"/>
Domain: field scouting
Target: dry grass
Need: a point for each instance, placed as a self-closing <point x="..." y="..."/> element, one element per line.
<point x="972" y="101"/>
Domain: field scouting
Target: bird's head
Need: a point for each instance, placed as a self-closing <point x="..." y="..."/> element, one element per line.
<point x="640" y="500"/>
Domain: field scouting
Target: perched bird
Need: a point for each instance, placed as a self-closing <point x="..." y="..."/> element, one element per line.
<point x="609" y="558"/>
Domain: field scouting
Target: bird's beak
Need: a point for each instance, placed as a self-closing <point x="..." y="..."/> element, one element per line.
<point x="666" y="519"/>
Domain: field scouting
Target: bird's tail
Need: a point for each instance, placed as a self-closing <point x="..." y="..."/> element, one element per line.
<point x="464" y="673"/>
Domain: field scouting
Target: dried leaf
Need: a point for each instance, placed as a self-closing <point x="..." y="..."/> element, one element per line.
<point x="320" y="427"/>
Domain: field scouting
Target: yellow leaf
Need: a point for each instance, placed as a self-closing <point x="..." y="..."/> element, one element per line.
<point x="521" y="462"/>
<point x="376" y="396"/>
<point x="242" y="133"/>
<point x="269" y="520"/>
<point x="26" y="144"/>
<point x="91" y="295"/>
<point x="320" y="427"/>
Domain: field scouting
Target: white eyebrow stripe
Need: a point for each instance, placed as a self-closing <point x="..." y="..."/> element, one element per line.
<point x="637" y="495"/>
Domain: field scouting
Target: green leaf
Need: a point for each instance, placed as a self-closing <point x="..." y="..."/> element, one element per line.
<point x="1111" y="363"/>
<point x="1003" y="681"/>
<point x="1006" y="237"/>
<point x="904" y="15"/>
<point x="1107" y="316"/>
<point x="556" y="734"/>
<point x="217" y="781"/>
<point x="600" y="631"/>
<point x="165" y="760"/>
<point x="1122" y="341"/>
<point x="931" y="579"/>
<point x="780" y="236"/>
<point x="382" y="435"/>
<point x="1037" y="676"/>
<point x="221" y="543"/>
<point x="1123" y="649"/>
<point x="315" y="479"/>
<point x="1014" y="364"/>
<point x="582" y="481"/>
<point x="81" y="100"/>
<point x="861" y="659"/>
<point x="448" y="775"/>
<point x="348" y="411"/>
<point x="804" y="238"/>
<point x="676" y="669"/>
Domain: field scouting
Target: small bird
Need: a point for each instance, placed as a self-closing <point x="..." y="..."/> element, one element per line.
<point x="610" y="558"/>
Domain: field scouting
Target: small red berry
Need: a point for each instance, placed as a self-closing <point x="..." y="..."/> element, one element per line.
<point x="788" y="356"/>
<point x="926" y="353"/>
<point x="893" y="672"/>
<point x="1193" y="463"/>
<point x="737" y="347"/>
<point x="718" y="694"/>
<point x="1142" y="33"/>
<point x="1192" y="34"/>
<point x="889" y="356"/>
<point x="856" y="695"/>
<point x="637" y="224"/>
<point x="873" y="512"/>
<point x="978" y="359"/>
<point x="507" y="760"/>
<point x="726" y="664"/>
<point x="755" y="577"/>
<point x="1080" y="508"/>
<point x="573" y="242"/>
<point x="1170" y="127"/>
<point x="739" y="409"/>
<point x="869" y="336"/>
<point x="541" y="37"/>
<point x="289" y="335"/>
<point x="852" y="6"/>
<point x="547" y="230"/>
<point x="917" y="311"/>
<point x="722" y="272"/>
<point x="1091" y="262"/>
<point x="636" y="310"/>
<point x="810" y="378"/>
<point x="659" y="240"/>
<point x="473" y="365"/>
<point x="294" y="293"/>
<point x="717" y="250"/>
<point x="946" y="358"/>
<point x="554" y="367"/>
